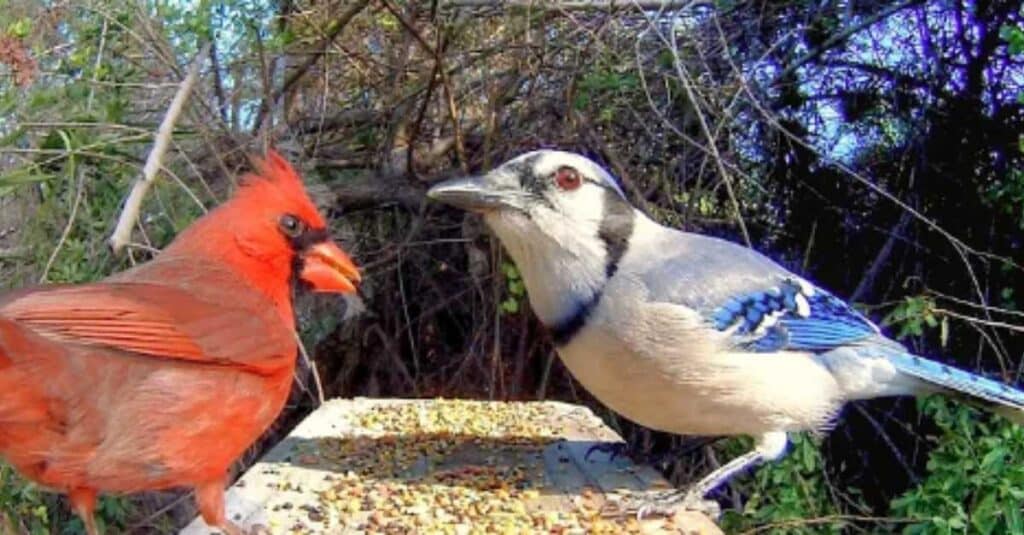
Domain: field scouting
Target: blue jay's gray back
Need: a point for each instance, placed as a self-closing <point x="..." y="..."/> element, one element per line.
<point x="687" y="333"/>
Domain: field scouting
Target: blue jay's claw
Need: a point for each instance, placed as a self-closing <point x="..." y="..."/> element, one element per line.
<point x="673" y="502"/>
<point x="613" y="449"/>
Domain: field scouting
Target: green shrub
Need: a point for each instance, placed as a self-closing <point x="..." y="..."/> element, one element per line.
<point x="975" y="480"/>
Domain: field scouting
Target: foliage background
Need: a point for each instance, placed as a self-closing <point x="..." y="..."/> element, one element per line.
<point x="872" y="146"/>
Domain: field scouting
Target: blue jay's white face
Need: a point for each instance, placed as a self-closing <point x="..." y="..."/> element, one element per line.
<point x="547" y="195"/>
<point x="546" y="186"/>
<point x="561" y="216"/>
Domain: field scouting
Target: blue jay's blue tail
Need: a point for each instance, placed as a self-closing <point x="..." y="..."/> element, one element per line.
<point x="1008" y="401"/>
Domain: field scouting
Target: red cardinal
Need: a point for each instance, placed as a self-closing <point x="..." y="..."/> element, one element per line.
<point x="162" y="375"/>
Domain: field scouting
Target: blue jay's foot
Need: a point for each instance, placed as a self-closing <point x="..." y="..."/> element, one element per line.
<point x="673" y="502"/>
<point x="681" y="502"/>
<point x="769" y="446"/>
<point x="613" y="449"/>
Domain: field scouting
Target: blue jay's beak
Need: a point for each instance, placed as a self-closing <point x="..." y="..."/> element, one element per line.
<point x="475" y="194"/>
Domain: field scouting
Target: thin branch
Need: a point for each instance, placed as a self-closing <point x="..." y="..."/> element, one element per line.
<point x="868" y="280"/>
<point x="980" y="321"/>
<point x="312" y="368"/>
<point x="218" y="82"/>
<point x="267" y="103"/>
<point x="565" y="5"/>
<point x="130" y="214"/>
<point x="684" y="78"/>
<point x="96" y="66"/>
<point x="339" y="24"/>
<point x="840" y="37"/>
<point x="453" y="111"/>
<point x="972" y="304"/>
<point x="830" y="519"/>
<point x="79" y="193"/>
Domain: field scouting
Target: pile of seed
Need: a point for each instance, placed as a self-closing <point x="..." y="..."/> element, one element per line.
<point x="448" y="467"/>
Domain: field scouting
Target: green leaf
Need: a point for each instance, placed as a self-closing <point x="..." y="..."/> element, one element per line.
<point x="1014" y="36"/>
<point x="509" y="270"/>
<point x="993" y="460"/>
<point x="23" y="175"/>
<point x="1014" y="517"/>
<point x="944" y="332"/>
<point x="20" y="28"/>
<point x="510" y="306"/>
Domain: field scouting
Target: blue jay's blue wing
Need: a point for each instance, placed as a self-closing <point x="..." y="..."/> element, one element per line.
<point x="766" y="307"/>
<point x="792" y="315"/>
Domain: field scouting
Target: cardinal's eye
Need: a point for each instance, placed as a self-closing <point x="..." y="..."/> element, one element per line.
<point x="291" y="226"/>
<point x="568" y="179"/>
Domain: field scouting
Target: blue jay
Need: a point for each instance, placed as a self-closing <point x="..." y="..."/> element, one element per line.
<point x="686" y="333"/>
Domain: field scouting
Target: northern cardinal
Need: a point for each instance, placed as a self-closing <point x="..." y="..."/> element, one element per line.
<point x="162" y="375"/>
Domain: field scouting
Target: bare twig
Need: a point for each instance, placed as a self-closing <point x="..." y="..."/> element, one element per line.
<point x="437" y="51"/>
<point x="460" y="145"/>
<point x="338" y="26"/>
<point x="312" y="368"/>
<point x="566" y="5"/>
<point x="842" y="36"/>
<point x="79" y="192"/>
<point x="684" y="78"/>
<point x="830" y="519"/>
<point x="130" y="214"/>
<point x="881" y="258"/>
<point x="972" y="304"/>
<point x="96" y="66"/>
<point x="980" y="321"/>
<point x="218" y="83"/>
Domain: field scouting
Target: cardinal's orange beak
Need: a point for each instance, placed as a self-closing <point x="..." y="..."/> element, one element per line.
<point x="328" y="269"/>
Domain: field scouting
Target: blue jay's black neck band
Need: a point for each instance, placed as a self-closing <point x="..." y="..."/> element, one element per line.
<point x="616" y="228"/>
<point x="564" y="331"/>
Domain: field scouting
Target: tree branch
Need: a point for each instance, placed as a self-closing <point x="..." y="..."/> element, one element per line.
<point x="130" y="214"/>
<point x="867" y="282"/>
<point x="374" y="190"/>
<point x="574" y="4"/>
<point x="339" y="24"/>
<point x="842" y="36"/>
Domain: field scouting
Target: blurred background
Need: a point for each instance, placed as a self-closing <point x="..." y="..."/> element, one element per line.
<point x="874" y="147"/>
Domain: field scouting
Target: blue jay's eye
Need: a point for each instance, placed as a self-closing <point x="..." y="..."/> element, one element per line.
<point x="568" y="178"/>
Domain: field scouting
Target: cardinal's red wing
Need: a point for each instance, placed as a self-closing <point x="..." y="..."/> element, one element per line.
<point x="225" y="324"/>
